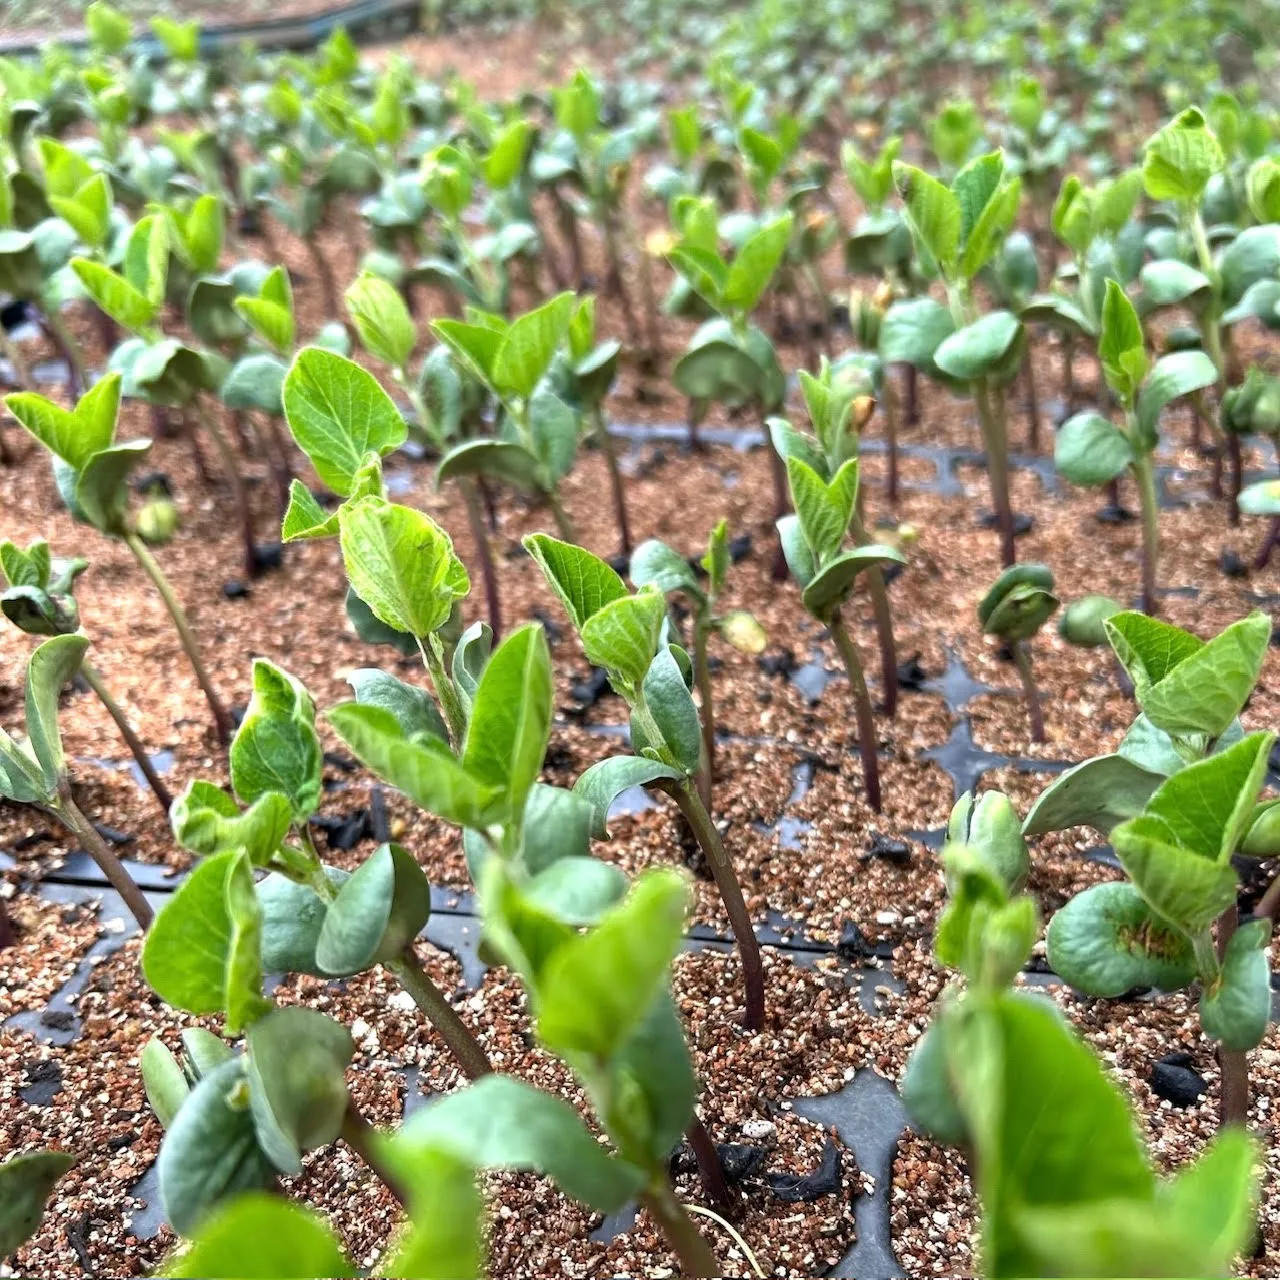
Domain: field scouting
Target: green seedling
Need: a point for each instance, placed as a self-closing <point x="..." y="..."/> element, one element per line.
<point x="34" y="772"/>
<point x="387" y="332"/>
<point x="813" y="540"/>
<point x="1019" y="603"/>
<point x="92" y="473"/>
<point x="957" y="230"/>
<point x="626" y="635"/>
<point x="1065" y="1186"/>
<point x="1178" y="800"/>
<point x="1092" y="450"/>
<point x="39" y="598"/>
<point x="839" y="407"/>
<point x="538" y="437"/>
<point x="729" y="360"/>
<point x="655" y="562"/>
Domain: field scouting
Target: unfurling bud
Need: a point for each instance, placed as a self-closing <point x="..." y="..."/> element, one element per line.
<point x="743" y="631"/>
<point x="863" y="408"/>
<point x="990" y="826"/>
<point x="157" y="520"/>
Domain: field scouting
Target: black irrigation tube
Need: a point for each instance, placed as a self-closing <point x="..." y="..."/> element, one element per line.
<point x="365" y="21"/>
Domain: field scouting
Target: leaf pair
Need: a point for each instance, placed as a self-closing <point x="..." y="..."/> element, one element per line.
<point x="488" y="783"/>
<point x="959" y="228"/>
<point x="133" y="296"/>
<point x="89" y="468"/>
<point x="734" y="289"/>
<point x="813" y="538"/>
<point x="39" y="598"/>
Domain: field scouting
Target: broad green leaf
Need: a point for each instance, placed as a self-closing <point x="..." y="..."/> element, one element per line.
<point x="101" y="496"/>
<point x="1215" y="1199"/>
<point x="511" y="715"/>
<point x="1167" y="282"/>
<point x="413" y="708"/>
<point x="596" y="988"/>
<point x="52" y="665"/>
<point x="1185" y="888"/>
<point x="979" y="348"/>
<point x="276" y="749"/>
<point x="671" y="706"/>
<point x="1147" y="648"/>
<point x="927" y="1092"/>
<point x="498" y="459"/>
<point x="994" y="221"/>
<point x="795" y="549"/>
<point x="933" y="213"/>
<point x="255" y="382"/>
<point x="1174" y="375"/>
<point x="187" y="952"/>
<point x="401" y="564"/>
<point x="379" y="909"/>
<point x="584" y="583"/>
<point x="1099" y="793"/>
<point x="338" y="414"/>
<point x="654" y="562"/>
<point x="704" y="270"/>
<point x="88" y="212"/>
<point x="1107" y="941"/>
<point x="528" y="346"/>
<point x="1235" y="1009"/>
<point x="261" y="1237"/>
<point x="499" y="1123"/>
<point x="912" y="330"/>
<point x="1180" y="159"/>
<point x="270" y="312"/>
<point x="474" y="345"/>
<point x="381" y="319"/>
<point x="1207" y="690"/>
<point x="26" y="1183"/>
<point x="109" y="30"/>
<point x="305" y="518"/>
<point x="430" y="777"/>
<point x="211" y="1151"/>
<point x="444" y="1237"/>
<point x="604" y="781"/>
<point x="206" y="820"/>
<point x="292" y="917"/>
<point x="125" y="304"/>
<point x="553" y="428"/>
<point x="1207" y="805"/>
<point x="824" y="509"/>
<point x="577" y="890"/>
<point x="1033" y="1088"/>
<point x="296" y="1064"/>
<point x="622" y="637"/>
<point x="505" y="159"/>
<point x="1121" y="346"/>
<point x="1089" y="450"/>
<point x="753" y="267"/>
<point x="205" y="228"/>
<point x="146" y="260"/>
<point x="830" y="587"/>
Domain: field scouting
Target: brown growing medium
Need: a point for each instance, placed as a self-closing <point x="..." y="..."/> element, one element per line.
<point x="817" y="1033"/>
